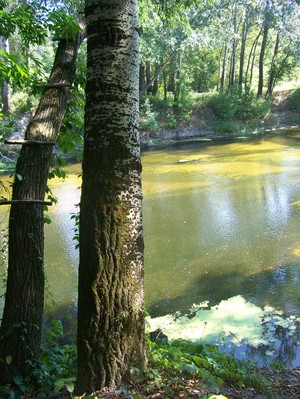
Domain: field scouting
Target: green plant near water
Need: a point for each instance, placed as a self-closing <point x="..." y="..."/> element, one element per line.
<point x="234" y="109"/>
<point x="170" y="365"/>
<point x="294" y="101"/>
<point x="55" y="370"/>
<point x="58" y="363"/>
<point x="148" y="118"/>
<point x="169" y="362"/>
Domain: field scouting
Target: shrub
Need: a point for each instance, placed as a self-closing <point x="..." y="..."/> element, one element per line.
<point x="148" y="117"/>
<point x="22" y="102"/>
<point x="294" y="101"/>
<point x="170" y="362"/>
<point x="234" y="104"/>
<point x="236" y="110"/>
<point x="8" y="124"/>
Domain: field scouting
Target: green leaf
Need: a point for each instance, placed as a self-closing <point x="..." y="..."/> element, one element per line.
<point x="18" y="380"/>
<point x="122" y="389"/>
<point x="59" y="384"/>
<point x="8" y="359"/>
<point x="47" y="220"/>
<point x="189" y="368"/>
<point x="69" y="383"/>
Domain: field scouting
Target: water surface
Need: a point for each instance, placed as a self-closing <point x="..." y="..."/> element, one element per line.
<point x="220" y="220"/>
<point x="223" y="222"/>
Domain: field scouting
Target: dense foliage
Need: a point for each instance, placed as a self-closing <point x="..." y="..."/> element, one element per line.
<point x="171" y="365"/>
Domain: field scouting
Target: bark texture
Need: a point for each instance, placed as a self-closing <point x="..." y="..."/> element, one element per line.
<point x="111" y="296"/>
<point x="20" y="332"/>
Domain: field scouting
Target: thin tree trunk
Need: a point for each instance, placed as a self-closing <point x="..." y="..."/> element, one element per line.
<point x="142" y="79"/>
<point x="250" y="63"/>
<point x="111" y="335"/>
<point x="5" y="89"/>
<point x="243" y="48"/>
<point x="272" y="74"/>
<point x="234" y="47"/>
<point x="232" y="65"/>
<point x="159" y="69"/>
<point x="261" y="63"/>
<point x="165" y="85"/>
<point x="148" y="78"/>
<point x="224" y="67"/>
<point x="20" y="332"/>
<point x="155" y="80"/>
<point x="266" y="26"/>
<point x="178" y="82"/>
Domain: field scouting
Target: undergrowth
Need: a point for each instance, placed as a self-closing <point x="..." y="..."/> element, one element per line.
<point x="230" y="111"/>
<point x="235" y="110"/>
<point x="170" y="366"/>
<point x="171" y="361"/>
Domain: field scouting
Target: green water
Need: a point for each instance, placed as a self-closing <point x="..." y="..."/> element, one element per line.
<point x="224" y="222"/>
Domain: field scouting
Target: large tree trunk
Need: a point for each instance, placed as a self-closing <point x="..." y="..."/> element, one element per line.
<point x="111" y="296"/>
<point x="20" y="332"/>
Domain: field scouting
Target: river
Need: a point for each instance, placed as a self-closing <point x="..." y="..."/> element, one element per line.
<point x="221" y="221"/>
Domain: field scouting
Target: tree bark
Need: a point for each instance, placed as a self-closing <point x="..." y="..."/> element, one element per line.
<point x="111" y="296"/>
<point x="20" y="332"/>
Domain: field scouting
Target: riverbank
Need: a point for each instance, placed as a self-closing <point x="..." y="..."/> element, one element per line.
<point x="200" y="126"/>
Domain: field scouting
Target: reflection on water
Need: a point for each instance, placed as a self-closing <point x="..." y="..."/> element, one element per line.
<point x="237" y="326"/>
<point x="224" y="222"/>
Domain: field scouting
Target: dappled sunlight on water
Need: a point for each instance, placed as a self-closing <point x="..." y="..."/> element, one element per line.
<point x="218" y="211"/>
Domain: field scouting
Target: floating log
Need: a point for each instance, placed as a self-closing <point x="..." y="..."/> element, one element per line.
<point x="29" y="142"/>
<point x="53" y="85"/>
<point x="26" y="201"/>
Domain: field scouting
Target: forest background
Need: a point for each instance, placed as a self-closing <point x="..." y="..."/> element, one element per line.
<point x="207" y="70"/>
